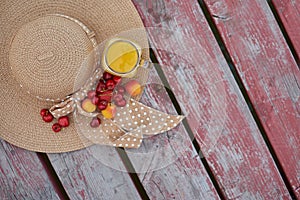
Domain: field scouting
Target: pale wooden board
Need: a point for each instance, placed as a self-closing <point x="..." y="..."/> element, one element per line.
<point x="268" y="71"/>
<point x="22" y="176"/>
<point x="207" y="92"/>
<point x="289" y="13"/>
<point x="168" y="164"/>
<point x="94" y="173"/>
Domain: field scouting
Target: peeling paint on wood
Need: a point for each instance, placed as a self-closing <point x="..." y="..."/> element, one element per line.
<point x="267" y="67"/>
<point x="216" y="112"/>
<point x="289" y="12"/>
<point x="208" y="94"/>
<point x="96" y="172"/>
<point x="22" y="176"/>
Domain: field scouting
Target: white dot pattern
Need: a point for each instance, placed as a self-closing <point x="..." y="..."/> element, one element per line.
<point x="151" y="122"/>
<point x="64" y="108"/>
<point x="124" y="130"/>
<point x="108" y="133"/>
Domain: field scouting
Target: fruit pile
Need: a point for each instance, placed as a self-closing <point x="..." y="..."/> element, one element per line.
<point x="108" y="95"/>
<point x="61" y="122"/>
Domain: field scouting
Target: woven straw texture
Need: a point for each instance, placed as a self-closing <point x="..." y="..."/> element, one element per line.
<point x="43" y="54"/>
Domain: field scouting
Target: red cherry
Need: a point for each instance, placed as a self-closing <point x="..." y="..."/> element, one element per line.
<point x="110" y="84"/>
<point x="102" y="104"/>
<point x="95" y="122"/>
<point x="106" y="95"/>
<point x="91" y="94"/>
<point x="63" y="121"/>
<point x="100" y="87"/>
<point x="56" y="127"/>
<point x="117" y="97"/>
<point x="44" y="112"/>
<point x="121" y="90"/>
<point x="121" y="103"/>
<point x="107" y="76"/>
<point x="95" y="100"/>
<point x="117" y="79"/>
<point x="48" y="117"/>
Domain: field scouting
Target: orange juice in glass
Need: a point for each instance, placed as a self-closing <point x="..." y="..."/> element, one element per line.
<point x="121" y="57"/>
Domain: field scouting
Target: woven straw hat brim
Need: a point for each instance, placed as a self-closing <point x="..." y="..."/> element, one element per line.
<point x="20" y="122"/>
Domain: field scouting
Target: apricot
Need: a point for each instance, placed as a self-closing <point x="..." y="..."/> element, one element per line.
<point x="109" y="112"/>
<point x="88" y="106"/>
<point x="133" y="88"/>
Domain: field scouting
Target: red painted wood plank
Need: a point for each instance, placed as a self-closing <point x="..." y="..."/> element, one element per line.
<point x="268" y="71"/>
<point x="207" y="92"/>
<point x="22" y="175"/>
<point x="169" y="166"/>
<point x="289" y="13"/>
<point x="96" y="172"/>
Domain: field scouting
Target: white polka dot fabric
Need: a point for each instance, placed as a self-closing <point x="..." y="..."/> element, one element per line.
<point x="129" y="125"/>
<point x="63" y="108"/>
<point x="149" y="121"/>
<point x="108" y="133"/>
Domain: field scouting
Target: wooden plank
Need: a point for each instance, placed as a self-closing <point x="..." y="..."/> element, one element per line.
<point x="268" y="71"/>
<point x="96" y="172"/>
<point x="168" y="165"/>
<point x="289" y="13"/>
<point x="207" y="92"/>
<point x="22" y="176"/>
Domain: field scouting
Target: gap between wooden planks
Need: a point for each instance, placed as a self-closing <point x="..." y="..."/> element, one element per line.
<point x="22" y="176"/>
<point x="289" y="13"/>
<point x="85" y="176"/>
<point x="269" y="73"/>
<point x="217" y="113"/>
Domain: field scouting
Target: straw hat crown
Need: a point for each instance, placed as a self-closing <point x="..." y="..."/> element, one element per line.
<point x="46" y="53"/>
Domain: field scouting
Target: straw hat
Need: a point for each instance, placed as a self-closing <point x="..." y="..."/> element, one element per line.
<point x="42" y="46"/>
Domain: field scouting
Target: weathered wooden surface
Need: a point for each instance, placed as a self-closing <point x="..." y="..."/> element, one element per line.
<point x="22" y="176"/>
<point x="269" y="73"/>
<point x="289" y="13"/>
<point x="94" y="173"/>
<point x="217" y="113"/>
<point x="169" y="166"/>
